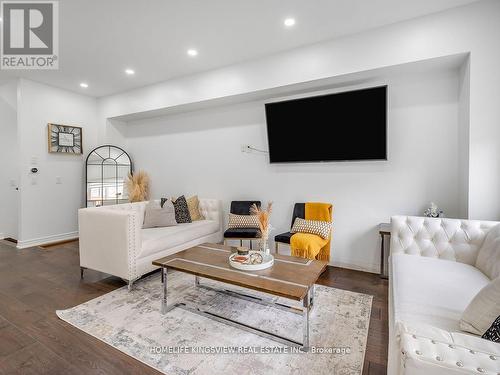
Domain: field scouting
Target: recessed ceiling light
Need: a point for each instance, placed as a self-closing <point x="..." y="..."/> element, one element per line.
<point x="289" y="22"/>
<point x="130" y="72"/>
<point x="84" y="85"/>
<point x="192" y="52"/>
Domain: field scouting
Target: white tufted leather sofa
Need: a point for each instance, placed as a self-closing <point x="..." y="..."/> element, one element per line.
<point x="433" y="277"/>
<point x="112" y="239"/>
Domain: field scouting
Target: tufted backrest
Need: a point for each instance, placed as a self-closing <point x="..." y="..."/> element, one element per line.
<point x="126" y="206"/>
<point x="139" y="207"/>
<point x="211" y="209"/>
<point x="451" y="239"/>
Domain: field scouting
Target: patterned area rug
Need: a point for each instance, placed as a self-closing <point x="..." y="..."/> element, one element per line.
<point x="181" y="342"/>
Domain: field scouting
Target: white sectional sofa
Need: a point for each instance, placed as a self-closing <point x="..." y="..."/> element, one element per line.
<point x="112" y="239"/>
<point x="432" y="280"/>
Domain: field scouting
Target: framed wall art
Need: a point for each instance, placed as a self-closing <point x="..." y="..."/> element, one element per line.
<point x="65" y="139"/>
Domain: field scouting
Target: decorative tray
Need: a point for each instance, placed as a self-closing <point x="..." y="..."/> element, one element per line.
<point x="253" y="261"/>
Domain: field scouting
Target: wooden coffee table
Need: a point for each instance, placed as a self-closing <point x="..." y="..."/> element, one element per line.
<point x="289" y="277"/>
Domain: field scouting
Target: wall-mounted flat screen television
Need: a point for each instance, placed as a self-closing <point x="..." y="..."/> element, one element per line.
<point x="342" y="126"/>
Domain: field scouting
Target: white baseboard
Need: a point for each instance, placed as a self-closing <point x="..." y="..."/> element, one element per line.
<point x="358" y="266"/>
<point x="365" y="267"/>
<point x="48" y="239"/>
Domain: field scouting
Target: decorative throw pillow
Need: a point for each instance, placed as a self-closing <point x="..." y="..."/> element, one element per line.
<point x="164" y="200"/>
<point x="194" y="208"/>
<point x="243" y="221"/>
<point x="488" y="256"/>
<point x="159" y="214"/>
<point x="317" y="227"/>
<point x="181" y="210"/>
<point x="482" y="310"/>
<point x="493" y="333"/>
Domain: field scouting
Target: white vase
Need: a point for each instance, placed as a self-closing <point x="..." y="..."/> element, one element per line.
<point x="264" y="246"/>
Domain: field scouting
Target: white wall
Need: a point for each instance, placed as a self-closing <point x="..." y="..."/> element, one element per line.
<point x="474" y="28"/>
<point x="474" y="174"/>
<point x="49" y="210"/>
<point x="199" y="152"/>
<point x="8" y="160"/>
<point x="464" y="138"/>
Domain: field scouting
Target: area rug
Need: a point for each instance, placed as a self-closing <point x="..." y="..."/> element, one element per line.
<point x="181" y="342"/>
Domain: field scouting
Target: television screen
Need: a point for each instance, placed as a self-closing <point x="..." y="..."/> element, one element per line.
<point x="342" y="126"/>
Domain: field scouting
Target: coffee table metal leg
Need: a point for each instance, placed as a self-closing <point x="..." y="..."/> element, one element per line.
<point x="307" y="303"/>
<point x="165" y="284"/>
<point x="255" y="299"/>
<point x="305" y="317"/>
<point x="311" y="296"/>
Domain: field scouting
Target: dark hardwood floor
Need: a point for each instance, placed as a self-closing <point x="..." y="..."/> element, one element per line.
<point x="35" y="282"/>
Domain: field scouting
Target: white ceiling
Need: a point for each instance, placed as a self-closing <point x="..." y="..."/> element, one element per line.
<point x="101" y="38"/>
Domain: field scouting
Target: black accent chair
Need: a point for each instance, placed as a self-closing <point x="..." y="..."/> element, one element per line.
<point x="299" y="210"/>
<point x="242" y="208"/>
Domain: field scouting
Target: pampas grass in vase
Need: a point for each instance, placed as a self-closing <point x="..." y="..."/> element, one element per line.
<point x="264" y="226"/>
<point x="137" y="185"/>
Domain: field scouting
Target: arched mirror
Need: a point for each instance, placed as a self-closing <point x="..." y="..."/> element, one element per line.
<point x="107" y="168"/>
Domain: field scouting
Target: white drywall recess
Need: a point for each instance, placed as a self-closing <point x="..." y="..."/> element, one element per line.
<point x="200" y="153"/>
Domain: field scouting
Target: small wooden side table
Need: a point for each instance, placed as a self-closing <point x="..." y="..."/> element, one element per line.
<point x="384" y="229"/>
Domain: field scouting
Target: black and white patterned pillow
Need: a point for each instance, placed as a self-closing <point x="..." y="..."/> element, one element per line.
<point x="243" y="221"/>
<point x="317" y="227"/>
<point x="181" y="210"/>
<point x="493" y="333"/>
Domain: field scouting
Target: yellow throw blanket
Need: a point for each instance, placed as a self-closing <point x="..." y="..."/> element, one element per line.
<point x="311" y="246"/>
